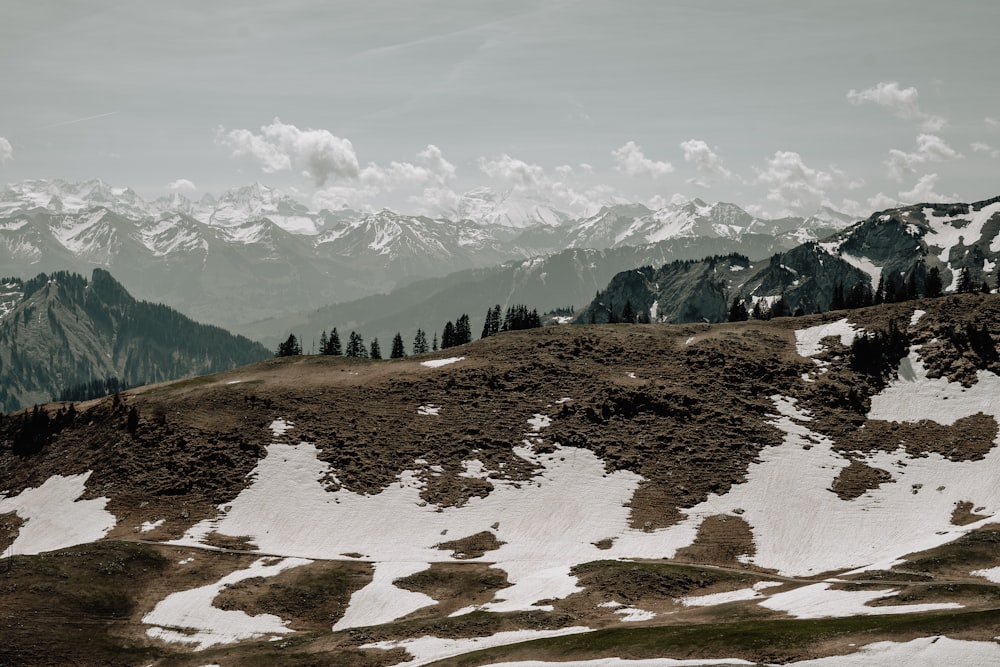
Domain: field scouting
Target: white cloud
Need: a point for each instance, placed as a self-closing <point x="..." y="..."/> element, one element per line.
<point x="704" y="159"/>
<point x="182" y="184"/>
<point x="992" y="123"/>
<point x="905" y="103"/>
<point x="630" y="160"/>
<point x="513" y="171"/>
<point x="930" y="148"/>
<point x="432" y="169"/>
<point x="882" y="201"/>
<point x="980" y="147"/>
<point x="560" y="189"/>
<point x="281" y="146"/>
<point x="798" y="188"/>
<point x="923" y="192"/>
<point x="6" y="150"/>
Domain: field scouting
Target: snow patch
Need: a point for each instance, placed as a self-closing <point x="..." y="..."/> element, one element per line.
<point x="437" y="363"/>
<point x="921" y="652"/>
<point x="426" y="650"/>
<point x="720" y="598"/>
<point x="634" y="614"/>
<point x="280" y="427"/>
<point x="54" y="518"/>
<point x="808" y="341"/>
<point x="820" y="601"/>
<point x="382" y="602"/>
<point x="147" y="526"/>
<point x="917" y="314"/>
<point x="428" y="410"/>
<point x="188" y="617"/>
<point x="539" y="421"/>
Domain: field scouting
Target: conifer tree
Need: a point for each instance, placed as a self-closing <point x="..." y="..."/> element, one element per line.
<point x="738" y="311"/>
<point x="397" y="347"/>
<point x="933" y="286"/>
<point x="448" y="336"/>
<point x="434" y="345"/>
<point x="463" y="330"/>
<point x="420" y="342"/>
<point x="289" y="348"/>
<point x="332" y="344"/>
<point x="376" y="351"/>
<point x="965" y="284"/>
<point x="879" y="291"/>
<point x="356" y="346"/>
<point x="628" y="313"/>
<point x="780" y="308"/>
<point x="324" y="342"/>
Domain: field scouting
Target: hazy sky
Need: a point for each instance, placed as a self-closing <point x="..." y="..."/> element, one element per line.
<point x="777" y="105"/>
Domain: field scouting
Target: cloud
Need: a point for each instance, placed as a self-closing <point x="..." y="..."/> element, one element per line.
<point x="6" y="150"/>
<point x="562" y="189"/>
<point x="798" y="188"/>
<point x="930" y="148"/>
<point x="992" y="123"/>
<point x="923" y="192"/>
<point x="904" y="102"/>
<point x="431" y="168"/>
<point x="182" y="184"/>
<point x="704" y="159"/>
<point x="630" y="160"/>
<point x="513" y="171"/>
<point x="980" y="147"/>
<point x="281" y="146"/>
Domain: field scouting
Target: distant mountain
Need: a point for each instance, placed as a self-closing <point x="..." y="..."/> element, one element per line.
<point x="255" y="252"/>
<point x="65" y="331"/>
<point x="895" y="248"/>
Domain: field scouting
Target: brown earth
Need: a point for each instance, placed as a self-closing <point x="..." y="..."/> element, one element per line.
<point x="690" y="422"/>
<point x="857" y="478"/>
<point x="964" y="515"/>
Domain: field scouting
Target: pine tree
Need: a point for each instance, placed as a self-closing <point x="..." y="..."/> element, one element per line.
<point x="933" y="286"/>
<point x="448" y="336"/>
<point x="628" y="313"/>
<point x="434" y="345"/>
<point x="780" y="308"/>
<point x="331" y="345"/>
<point x="420" y="342"/>
<point x="463" y="330"/>
<point x="879" y="291"/>
<point x="738" y="311"/>
<point x="911" y="286"/>
<point x="837" y="302"/>
<point x="397" y="347"/>
<point x="356" y="346"/>
<point x="965" y="284"/>
<point x="289" y="348"/>
<point x="376" y="351"/>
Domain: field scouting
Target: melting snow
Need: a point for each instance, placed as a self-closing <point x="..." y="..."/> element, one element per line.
<point x="188" y="617"/>
<point x="808" y="340"/>
<point x="150" y="525"/>
<point x="914" y="396"/>
<point x="538" y="422"/>
<point x="620" y="662"/>
<point x="436" y="363"/>
<point x="279" y="427"/>
<point x="922" y="652"/>
<point x="428" y="410"/>
<point x="380" y="601"/>
<point x="54" y="518"/>
<point x="431" y="649"/>
<point x="720" y="598"/>
<point x="917" y="314"/>
<point x="820" y="601"/>
<point x="634" y="614"/>
<point x="993" y="574"/>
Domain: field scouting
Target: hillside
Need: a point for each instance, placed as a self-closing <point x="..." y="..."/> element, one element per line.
<point x="63" y="331"/>
<point x="761" y="491"/>
<point x="892" y="253"/>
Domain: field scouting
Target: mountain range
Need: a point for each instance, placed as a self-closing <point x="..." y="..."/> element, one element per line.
<point x="253" y="250"/>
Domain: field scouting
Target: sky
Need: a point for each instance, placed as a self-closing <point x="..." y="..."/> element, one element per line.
<point x="780" y="106"/>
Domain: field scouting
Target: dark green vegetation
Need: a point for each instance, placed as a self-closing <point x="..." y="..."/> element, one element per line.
<point x="69" y="333"/>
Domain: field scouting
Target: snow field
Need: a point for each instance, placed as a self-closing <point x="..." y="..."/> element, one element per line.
<point x="54" y="518"/>
<point x="946" y="234"/>
<point x="619" y="662"/>
<point x="820" y="601"/>
<point x="914" y="396"/>
<point x="188" y="617"/>
<point x="992" y="574"/>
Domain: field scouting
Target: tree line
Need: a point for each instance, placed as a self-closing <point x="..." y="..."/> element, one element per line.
<point x="453" y="334"/>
